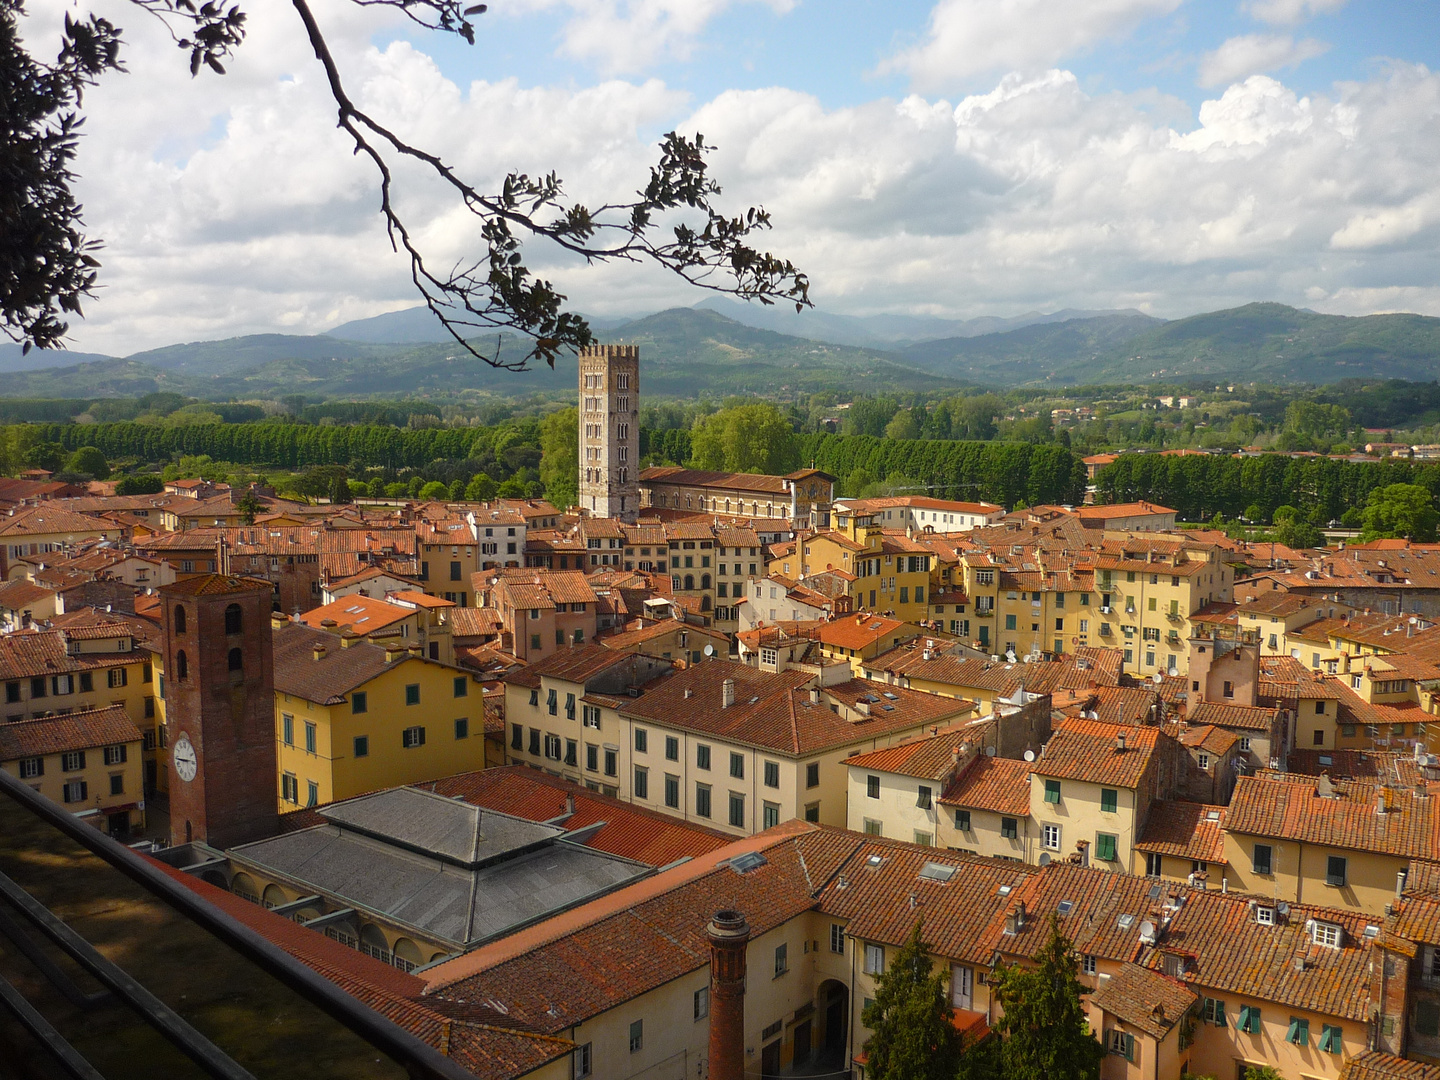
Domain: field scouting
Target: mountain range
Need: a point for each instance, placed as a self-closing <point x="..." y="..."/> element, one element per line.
<point x="699" y="350"/>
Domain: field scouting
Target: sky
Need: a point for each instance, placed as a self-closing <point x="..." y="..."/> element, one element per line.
<point x="940" y="157"/>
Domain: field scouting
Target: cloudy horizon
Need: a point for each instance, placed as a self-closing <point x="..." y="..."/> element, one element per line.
<point x="954" y="158"/>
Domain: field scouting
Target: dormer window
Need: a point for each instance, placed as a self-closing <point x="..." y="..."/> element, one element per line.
<point x="1265" y="916"/>
<point x="1326" y="933"/>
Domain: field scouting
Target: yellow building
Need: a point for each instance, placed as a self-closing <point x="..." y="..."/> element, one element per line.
<point x="891" y="572"/>
<point x="352" y="717"/>
<point x="1274" y="616"/>
<point x="88" y="762"/>
<point x="1342" y="844"/>
<point x="858" y="638"/>
<point x="45" y="529"/>
<point x="81" y="668"/>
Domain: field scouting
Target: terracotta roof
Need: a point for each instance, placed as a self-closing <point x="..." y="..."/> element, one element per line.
<point x="20" y="592"/>
<point x="26" y="654"/>
<point x="1145" y="999"/>
<point x="773" y="486"/>
<point x="1208" y="737"/>
<point x="215" y="585"/>
<point x="1115" y="510"/>
<point x="1378" y="1065"/>
<point x="1294" y="809"/>
<point x="363" y="614"/>
<point x="75" y="731"/>
<point x="475" y="622"/>
<point x="1417" y="919"/>
<point x="1231" y="717"/>
<point x="929" y="759"/>
<point x="1000" y="785"/>
<point x="49" y="520"/>
<point x="339" y="671"/>
<point x="569" y="665"/>
<point x="874" y="890"/>
<point x="1385" y="767"/>
<point x="774" y="711"/>
<point x="1089" y="750"/>
<point x="859" y="631"/>
<point x="1185" y="830"/>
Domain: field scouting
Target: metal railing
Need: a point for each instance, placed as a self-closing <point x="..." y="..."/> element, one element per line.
<point x="211" y="987"/>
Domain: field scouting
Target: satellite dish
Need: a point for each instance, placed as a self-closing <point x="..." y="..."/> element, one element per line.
<point x="1157" y="678"/>
<point x="1147" y="931"/>
<point x="1029" y="755"/>
<point x="709" y="650"/>
<point x="989" y="751"/>
<point x="1044" y="858"/>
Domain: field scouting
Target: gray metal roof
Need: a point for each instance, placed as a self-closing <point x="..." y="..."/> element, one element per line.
<point x="430" y="823"/>
<point x="409" y="855"/>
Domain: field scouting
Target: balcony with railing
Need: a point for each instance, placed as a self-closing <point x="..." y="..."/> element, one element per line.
<point x="111" y="968"/>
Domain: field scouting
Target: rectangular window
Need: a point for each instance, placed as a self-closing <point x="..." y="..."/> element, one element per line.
<point x="462" y="728"/>
<point x="737" y="810"/>
<point x="837" y="939"/>
<point x="642" y="782"/>
<point x="962" y="820"/>
<point x="771" y="815"/>
<point x="922" y="798"/>
<point x="117" y="784"/>
<point x="672" y="748"/>
<point x="874" y="959"/>
<point x="552" y="702"/>
<point x="702" y="756"/>
<point x="1249" y="1020"/>
<point x="572" y="751"/>
<point x="1052" y="791"/>
<point x="117" y="677"/>
<point x="637" y="1036"/>
<point x="412" y="737"/>
<point x="1335" y="870"/>
<point x="72" y="761"/>
<point x="772" y="774"/>
<point x="812" y="774"/>
<point x="782" y="959"/>
<point x="30" y="768"/>
<point x="1213" y="1012"/>
<point x="1105" y="847"/>
<point x="359" y="702"/>
<point x="1109" y="800"/>
<point x="737" y="766"/>
<point x="1123" y="1044"/>
<point x="76" y="791"/>
<point x="1260" y="863"/>
<point x="1298" y="1032"/>
<point x="312" y="793"/>
<point x="362" y="745"/>
<point x="592" y="757"/>
<point x="462" y="685"/>
<point x="412" y="694"/>
<point x="872" y="787"/>
<point x="290" y="788"/>
<point x="642" y="739"/>
<point x="1051" y="836"/>
<point x="702" y="1003"/>
<point x="116" y="755"/>
<point x="702" y="800"/>
<point x="1088" y="965"/>
<point x="1330" y="1042"/>
<point x="309" y="737"/>
<point x="570" y="708"/>
<point x="287" y="729"/>
<point x="672" y="791"/>
<point x="1009" y="828"/>
<point x="612" y="762"/>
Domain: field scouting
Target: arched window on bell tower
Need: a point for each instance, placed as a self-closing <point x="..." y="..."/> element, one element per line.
<point x="179" y="619"/>
<point x="233" y="619"/>
<point x="182" y="666"/>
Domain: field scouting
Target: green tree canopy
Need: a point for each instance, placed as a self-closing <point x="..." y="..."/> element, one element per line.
<point x="434" y="490"/>
<point x="902" y="426"/>
<point x="481" y="488"/>
<point x="1046" y="1033"/>
<point x="746" y="438"/>
<point x="146" y="484"/>
<point x="88" y="459"/>
<point x="560" y="460"/>
<point x="1401" y="510"/>
<point x="912" y="1037"/>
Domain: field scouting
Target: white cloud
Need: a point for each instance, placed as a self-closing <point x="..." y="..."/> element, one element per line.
<point x="1289" y="12"/>
<point x="1250" y="54"/>
<point x="626" y="36"/>
<point x="969" y="38"/>
<point x="234" y="206"/>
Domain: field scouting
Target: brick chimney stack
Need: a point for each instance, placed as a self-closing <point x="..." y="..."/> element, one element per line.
<point x="729" y="933"/>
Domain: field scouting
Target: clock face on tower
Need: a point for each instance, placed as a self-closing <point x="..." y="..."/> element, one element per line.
<point x="184" y="757"/>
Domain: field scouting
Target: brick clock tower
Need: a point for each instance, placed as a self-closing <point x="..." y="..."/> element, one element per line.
<point x="219" y="709"/>
<point x="610" y="431"/>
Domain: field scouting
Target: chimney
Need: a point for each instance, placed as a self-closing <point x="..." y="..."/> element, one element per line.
<point x="814" y="695"/>
<point x="727" y="693"/>
<point x="1399" y="883"/>
<point x="1120" y="742"/>
<point x="728" y="933"/>
<point x="569" y="803"/>
<point x="1380" y="801"/>
<point x="319" y="652"/>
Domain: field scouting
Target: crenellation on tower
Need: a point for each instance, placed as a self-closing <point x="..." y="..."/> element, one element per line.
<point x="610" y="431"/>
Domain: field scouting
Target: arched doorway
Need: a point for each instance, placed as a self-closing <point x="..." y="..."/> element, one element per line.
<point x="833" y="1020"/>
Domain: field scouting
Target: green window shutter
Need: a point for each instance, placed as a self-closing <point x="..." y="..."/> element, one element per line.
<point x="1330" y="1039"/>
<point x="1105" y="847"/>
<point x="1129" y="1047"/>
<point x="1298" y="1032"/>
<point x="1220" y="1020"/>
<point x="1109" y="800"/>
<point x="1052" y="791"/>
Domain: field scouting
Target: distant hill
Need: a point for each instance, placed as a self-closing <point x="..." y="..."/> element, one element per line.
<point x="230" y="355"/>
<point x="418" y="326"/>
<point x="880" y="331"/>
<point x="14" y="358"/>
<point x="1032" y="353"/>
